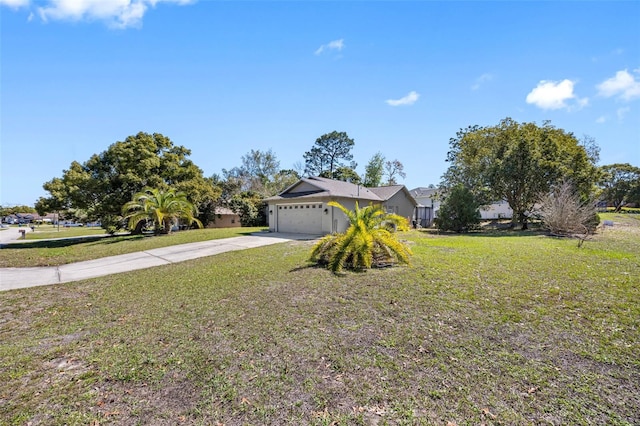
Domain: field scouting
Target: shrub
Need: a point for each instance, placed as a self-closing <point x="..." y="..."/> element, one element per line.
<point x="368" y="241"/>
<point x="564" y="213"/>
<point x="459" y="212"/>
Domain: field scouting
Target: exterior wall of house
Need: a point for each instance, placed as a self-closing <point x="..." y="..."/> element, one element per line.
<point x="271" y="216"/>
<point x="497" y="210"/>
<point x="401" y="205"/>
<point x="226" y="221"/>
<point x="337" y="220"/>
<point x="303" y="187"/>
<point x="334" y="220"/>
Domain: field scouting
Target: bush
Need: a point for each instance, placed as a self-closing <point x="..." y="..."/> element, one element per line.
<point x="459" y="212"/>
<point x="563" y="213"/>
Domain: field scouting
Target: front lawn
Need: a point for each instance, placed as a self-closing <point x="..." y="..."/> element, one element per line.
<point x="510" y="328"/>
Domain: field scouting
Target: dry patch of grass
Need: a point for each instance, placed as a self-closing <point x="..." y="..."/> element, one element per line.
<point x="482" y="329"/>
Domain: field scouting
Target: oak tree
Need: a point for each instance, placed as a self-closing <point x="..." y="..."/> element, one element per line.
<point x="620" y="184"/>
<point x="518" y="162"/>
<point x="105" y="182"/>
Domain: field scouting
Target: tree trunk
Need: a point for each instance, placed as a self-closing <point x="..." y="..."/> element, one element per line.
<point x="166" y="226"/>
<point x="139" y="226"/>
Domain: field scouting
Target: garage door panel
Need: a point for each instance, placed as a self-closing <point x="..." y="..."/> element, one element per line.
<point x="300" y="218"/>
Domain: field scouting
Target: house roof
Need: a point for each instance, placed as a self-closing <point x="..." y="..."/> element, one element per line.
<point x="224" y="210"/>
<point x="386" y="192"/>
<point x="323" y="187"/>
<point x="423" y="192"/>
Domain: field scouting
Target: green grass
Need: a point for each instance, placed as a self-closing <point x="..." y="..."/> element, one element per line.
<point x="52" y="231"/>
<point x="512" y="328"/>
<point x="87" y="247"/>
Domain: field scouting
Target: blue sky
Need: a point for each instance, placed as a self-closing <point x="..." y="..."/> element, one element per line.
<point x="222" y="78"/>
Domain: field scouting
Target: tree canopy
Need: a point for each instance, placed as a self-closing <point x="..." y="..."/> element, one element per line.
<point x="329" y="153"/>
<point x="103" y="184"/>
<point x="620" y="184"/>
<point x="518" y="162"/>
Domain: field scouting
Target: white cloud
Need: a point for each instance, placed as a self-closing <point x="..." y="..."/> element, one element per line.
<point x="480" y="80"/>
<point x="410" y="99"/>
<point x="14" y="3"/>
<point x="623" y="85"/>
<point x="601" y="119"/>
<point x="117" y="13"/>
<point x="554" y="95"/>
<point x="332" y="45"/>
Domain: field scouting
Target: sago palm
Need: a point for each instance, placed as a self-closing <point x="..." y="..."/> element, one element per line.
<point x="161" y="208"/>
<point x="368" y="240"/>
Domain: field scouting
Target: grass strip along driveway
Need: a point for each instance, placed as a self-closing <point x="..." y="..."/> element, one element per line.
<point x="491" y="328"/>
<point x="69" y="250"/>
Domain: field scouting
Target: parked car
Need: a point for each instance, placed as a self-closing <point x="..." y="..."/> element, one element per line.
<point x="72" y="225"/>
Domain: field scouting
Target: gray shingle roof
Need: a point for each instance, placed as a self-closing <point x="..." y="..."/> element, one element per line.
<point x="386" y="192"/>
<point x="327" y="188"/>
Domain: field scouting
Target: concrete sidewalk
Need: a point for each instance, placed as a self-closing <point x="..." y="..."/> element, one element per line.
<point x="14" y="278"/>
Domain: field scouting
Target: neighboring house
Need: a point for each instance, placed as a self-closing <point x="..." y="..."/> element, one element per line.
<point x="21" y="218"/>
<point x="428" y="205"/>
<point x="427" y="198"/>
<point x="496" y="210"/>
<point x="225" y="218"/>
<point x="302" y="208"/>
<point x="397" y="199"/>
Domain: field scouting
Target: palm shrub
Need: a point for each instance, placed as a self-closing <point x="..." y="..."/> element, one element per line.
<point x="161" y="208"/>
<point x="369" y="241"/>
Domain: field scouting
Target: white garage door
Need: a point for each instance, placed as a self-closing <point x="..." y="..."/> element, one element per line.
<point x="300" y="218"/>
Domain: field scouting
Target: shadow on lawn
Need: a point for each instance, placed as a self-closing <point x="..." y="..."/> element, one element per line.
<point x="72" y="241"/>
<point x="99" y="239"/>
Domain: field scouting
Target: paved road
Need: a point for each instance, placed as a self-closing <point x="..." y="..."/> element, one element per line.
<point x="14" y="278"/>
<point x="8" y="235"/>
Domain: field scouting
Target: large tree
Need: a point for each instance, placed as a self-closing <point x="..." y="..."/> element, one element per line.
<point x="518" y="162"/>
<point x="620" y="184"/>
<point x="256" y="173"/>
<point x="329" y="153"/>
<point x="103" y="184"/>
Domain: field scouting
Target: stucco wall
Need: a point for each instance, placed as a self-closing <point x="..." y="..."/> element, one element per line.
<point x="225" y="221"/>
<point x="401" y="205"/>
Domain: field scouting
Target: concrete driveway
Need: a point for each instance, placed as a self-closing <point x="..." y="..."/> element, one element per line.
<point x="14" y="278"/>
